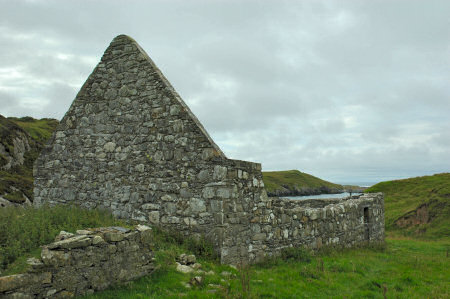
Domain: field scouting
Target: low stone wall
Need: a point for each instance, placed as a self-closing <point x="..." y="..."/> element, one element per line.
<point x="83" y="263"/>
<point x="317" y="203"/>
<point x="278" y="223"/>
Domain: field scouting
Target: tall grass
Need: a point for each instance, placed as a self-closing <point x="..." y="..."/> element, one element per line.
<point x="24" y="229"/>
<point x="405" y="268"/>
<point x="169" y="245"/>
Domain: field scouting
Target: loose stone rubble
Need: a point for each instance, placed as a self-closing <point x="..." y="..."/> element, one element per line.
<point x="187" y="264"/>
<point x="131" y="145"/>
<point x="82" y="263"/>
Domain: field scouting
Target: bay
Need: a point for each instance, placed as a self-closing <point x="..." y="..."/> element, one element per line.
<point x="319" y="196"/>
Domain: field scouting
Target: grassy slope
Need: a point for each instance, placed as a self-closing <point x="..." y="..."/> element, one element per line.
<point x="291" y="180"/>
<point x="39" y="129"/>
<point x="403" y="197"/>
<point x="21" y="177"/>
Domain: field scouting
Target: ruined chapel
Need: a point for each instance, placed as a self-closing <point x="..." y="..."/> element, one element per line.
<point x="129" y="144"/>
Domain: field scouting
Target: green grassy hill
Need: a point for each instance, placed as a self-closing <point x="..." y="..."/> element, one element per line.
<point x="21" y="140"/>
<point x="38" y="129"/>
<point x="294" y="182"/>
<point x="417" y="206"/>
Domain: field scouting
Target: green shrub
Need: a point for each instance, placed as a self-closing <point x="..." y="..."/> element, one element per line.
<point x="25" y="229"/>
<point x="15" y="197"/>
<point x="165" y="239"/>
<point x="201" y="248"/>
<point x="297" y="254"/>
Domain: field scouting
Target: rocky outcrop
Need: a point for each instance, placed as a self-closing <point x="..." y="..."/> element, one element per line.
<point x="16" y="157"/>
<point x="82" y="263"/>
<point x="15" y="145"/>
<point x="18" y="150"/>
<point x="416" y="217"/>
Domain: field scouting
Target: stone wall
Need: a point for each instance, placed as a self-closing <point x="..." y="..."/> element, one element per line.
<point x="130" y="144"/>
<point x="81" y="264"/>
<point x="278" y="223"/>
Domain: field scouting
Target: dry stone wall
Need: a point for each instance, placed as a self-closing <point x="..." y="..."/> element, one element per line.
<point x="278" y="223"/>
<point x="130" y="144"/>
<point x="83" y="263"/>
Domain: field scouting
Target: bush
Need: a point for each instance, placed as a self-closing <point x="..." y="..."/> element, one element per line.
<point x="296" y="254"/>
<point x="25" y="229"/>
<point x="200" y="247"/>
<point x="15" y="197"/>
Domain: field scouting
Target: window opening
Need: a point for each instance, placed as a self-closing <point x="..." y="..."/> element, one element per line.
<point x="366" y="224"/>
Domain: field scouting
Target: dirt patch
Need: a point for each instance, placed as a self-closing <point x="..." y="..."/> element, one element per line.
<point x="419" y="216"/>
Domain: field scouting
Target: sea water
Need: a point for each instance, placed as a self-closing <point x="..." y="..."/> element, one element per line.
<point x="319" y="196"/>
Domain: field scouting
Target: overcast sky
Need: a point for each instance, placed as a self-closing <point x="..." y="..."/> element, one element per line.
<point x="349" y="91"/>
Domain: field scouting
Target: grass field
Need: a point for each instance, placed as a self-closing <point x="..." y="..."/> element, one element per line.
<point x="405" y="268"/>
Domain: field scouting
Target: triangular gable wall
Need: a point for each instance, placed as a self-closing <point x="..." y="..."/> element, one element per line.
<point x="126" y="50"/>
<point x="127" y="124"/>
<point x="130" y="144"/>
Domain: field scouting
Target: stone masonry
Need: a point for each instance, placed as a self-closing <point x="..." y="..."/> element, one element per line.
<point x="81" y="264"/>
<point x="277" y="223"/>
<point x="130" y="144"/>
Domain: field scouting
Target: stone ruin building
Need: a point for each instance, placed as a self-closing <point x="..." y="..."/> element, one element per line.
<point x="130" y="144"/>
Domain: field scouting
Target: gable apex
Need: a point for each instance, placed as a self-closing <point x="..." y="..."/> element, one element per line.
<point x="124" y="64"/>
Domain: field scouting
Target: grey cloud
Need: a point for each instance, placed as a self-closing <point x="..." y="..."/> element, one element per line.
<point x="60" y="97"/>
<point x="347" y="91"/>
<point x="10" y="105"/>
<point x="7" y="102"/>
